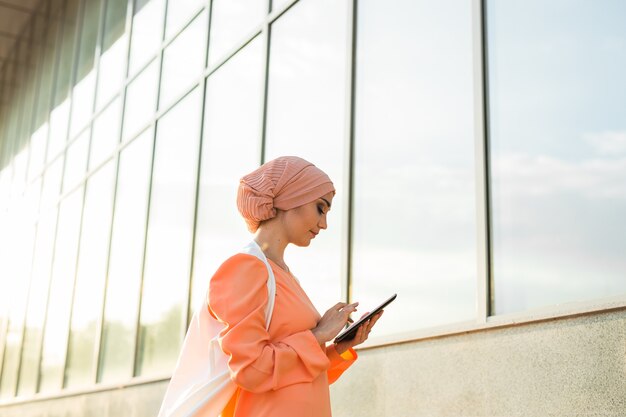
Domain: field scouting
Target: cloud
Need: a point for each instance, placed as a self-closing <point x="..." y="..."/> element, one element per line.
<point x="611" y="143"/>
<point x="533" y="175"/>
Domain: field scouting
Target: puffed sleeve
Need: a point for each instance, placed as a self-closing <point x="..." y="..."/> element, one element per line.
<point x="237" y="297"/>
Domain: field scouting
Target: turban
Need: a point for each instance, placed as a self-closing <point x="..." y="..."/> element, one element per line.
<point x="283" y="183"/>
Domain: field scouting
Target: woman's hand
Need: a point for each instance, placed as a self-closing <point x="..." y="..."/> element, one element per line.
<point x="333" y="321"/>
<point x="361" y="334"/>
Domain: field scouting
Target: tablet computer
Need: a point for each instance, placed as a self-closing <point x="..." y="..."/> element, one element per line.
<point x="350" y="332"/>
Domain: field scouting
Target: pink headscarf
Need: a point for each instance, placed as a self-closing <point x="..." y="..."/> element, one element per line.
<point x="284" y="183"/>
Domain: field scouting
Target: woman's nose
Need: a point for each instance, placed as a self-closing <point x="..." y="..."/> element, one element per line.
<point x="322" y="223"/>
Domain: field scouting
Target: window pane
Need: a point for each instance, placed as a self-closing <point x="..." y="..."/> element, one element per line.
<point x="303" y="90"/>
<point x="230" y="149"/>
<point x="88" y="37"/>
<point x="231" y="21"/>
<point x="58" y="313"/>
<point x="64" y="71"/>
<point x="414" y="214"/>
<point x="558" y="151"/>
<point x="32" y="197"/>
<point x="126" y="260"/>
<point x="168" y="250"/>
<point x="37" y="151"/>
<point x="90" y="277"/>
<point x="19" y="271"/>
<point x="85" y="84"/>
<point x="51" y="46"/>
<point x="38" y="298"/>
<point x="147" y="32"/>
<point x="106" y="134"/>
<point x="180" y="12"/>
<point x="76" y="161"/>
<point x="183" y="60"/>
<point x="59" y="118"/>
<point x="141" y="98"/>
<point x="52" y="184"/>
<point x="13" y="342"/>
<point x="114" y="46"/>
<point x="278" y="4"/>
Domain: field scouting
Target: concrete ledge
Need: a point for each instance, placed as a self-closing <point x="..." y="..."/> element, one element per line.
<point x="570" y="367"/>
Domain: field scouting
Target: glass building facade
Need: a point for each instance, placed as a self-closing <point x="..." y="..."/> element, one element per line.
<point x="479" y="161"/>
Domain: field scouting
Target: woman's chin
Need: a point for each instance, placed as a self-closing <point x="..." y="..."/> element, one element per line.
<point x="303" y="243"/>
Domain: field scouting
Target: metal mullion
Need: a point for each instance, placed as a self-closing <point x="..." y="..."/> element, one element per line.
<point x="481" y="154"/>
<point x="266" y="70"/>
<point x="27" y="127"/>
<point x="36" y="234"/>
<point x="122" y="95"/>
<point x="349" y="161"/>
<point x="60" y="32"/>
<point x="38" y="218"/>
<point x="17" y="119"/>
<point x="187" y="315"/>
<point x="96" y="65"/>
<point x="204" y="85"/>
<point x="76" y="58"/>
<point x="53" y="85"/>
<point x="55" y="70"/>
<point x="145" y="243"/>
<point x="3" y="336"/>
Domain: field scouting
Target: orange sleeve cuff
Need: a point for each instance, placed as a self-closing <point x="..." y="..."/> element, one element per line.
<point x="349" y="355"/>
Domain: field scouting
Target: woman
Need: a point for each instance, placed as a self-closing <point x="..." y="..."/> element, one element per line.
<point x="286" y="370"/>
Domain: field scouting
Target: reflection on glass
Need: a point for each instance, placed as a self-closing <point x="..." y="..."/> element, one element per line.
<point x="414" y="206"/>
<point x="106" y="134"/>
<point x="180" y="12"/>
<point x="141" y="98"/>
<point x="278" y="4"/>
<point x="231" y="21"/>
<point x="58" y="129"/>
<point x="76" y="161"/>
<point x="309" y="90"/>
<point x="88" y="37"/>
<point x="37" y="151"/>
<point x="62" y="282"/>
<point x="183" y="60"/>
<point x="558" y="152"/>
<point x="19" y="175"/>
<point x="168" y="248"/>
<point x="147" y="32"/>
<point x="37" y="300"/>
<point x="82" y="103"/>
<point x="16" y="308"/>
<point x="83" y="93"/>
<point x="50" y="47"/>
<point x="64" y="70"/>
<point x="13" y="344"/>
<point x="52" y="184"/>
<point x="114" y="46"/>
<point x="32" y="196"/>
<point x="230" y="149"/>
<point x="90" y="277"/>
<point x="125" y="261"/>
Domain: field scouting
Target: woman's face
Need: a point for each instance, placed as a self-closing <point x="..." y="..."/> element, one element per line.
<point x="303" y="223"/>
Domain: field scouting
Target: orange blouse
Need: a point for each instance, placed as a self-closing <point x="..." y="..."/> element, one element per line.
<point x="283" y="371"/>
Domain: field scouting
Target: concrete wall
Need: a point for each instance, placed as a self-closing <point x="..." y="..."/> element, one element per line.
<point x="566" y="367"/>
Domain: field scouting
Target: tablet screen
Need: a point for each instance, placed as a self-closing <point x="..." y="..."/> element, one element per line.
<point x="350" y="332"/>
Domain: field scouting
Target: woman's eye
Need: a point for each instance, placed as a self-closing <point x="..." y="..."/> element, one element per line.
<point x="320" y="209"/>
